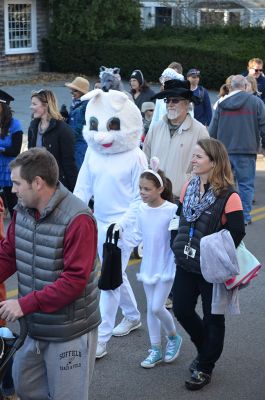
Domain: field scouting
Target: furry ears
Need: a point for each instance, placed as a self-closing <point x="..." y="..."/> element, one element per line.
<point x="114" y="98"/>
<point x="113" y="71"/>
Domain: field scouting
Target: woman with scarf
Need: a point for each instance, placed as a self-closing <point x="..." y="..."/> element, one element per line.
<point x="208" y="203"/>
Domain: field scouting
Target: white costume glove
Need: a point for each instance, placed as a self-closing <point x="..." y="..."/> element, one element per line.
<point x="174" y="224"/>
<point x="118" y="228"/>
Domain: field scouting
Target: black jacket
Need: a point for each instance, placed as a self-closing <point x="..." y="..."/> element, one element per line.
<point x="58" y="139"/>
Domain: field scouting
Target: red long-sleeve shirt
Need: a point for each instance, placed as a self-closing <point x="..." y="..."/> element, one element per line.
<point x="80" y="246"/>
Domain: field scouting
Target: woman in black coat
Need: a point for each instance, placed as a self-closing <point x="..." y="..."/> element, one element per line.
<point x="48" y="130"/>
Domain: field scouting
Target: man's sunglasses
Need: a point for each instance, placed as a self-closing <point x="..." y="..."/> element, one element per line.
<point x="257" y="70"/>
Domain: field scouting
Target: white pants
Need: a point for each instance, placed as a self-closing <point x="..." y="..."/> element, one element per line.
<point x="122" y="297"/>
<point x="157" y="314"/>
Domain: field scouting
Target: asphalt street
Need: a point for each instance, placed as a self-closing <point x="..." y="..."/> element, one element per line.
<point x="239" y="374"/>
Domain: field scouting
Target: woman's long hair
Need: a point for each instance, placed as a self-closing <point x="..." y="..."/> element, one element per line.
<point x="167" y="184"/>
<point x="5" y="119"/>
<point x="221" y="176"/>
<point x="47" y="97"/>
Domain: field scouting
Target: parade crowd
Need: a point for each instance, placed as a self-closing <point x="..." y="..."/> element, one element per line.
<point x="164" y="170"/>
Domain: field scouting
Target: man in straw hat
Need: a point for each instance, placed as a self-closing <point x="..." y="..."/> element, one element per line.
<point x="76" y="117"/>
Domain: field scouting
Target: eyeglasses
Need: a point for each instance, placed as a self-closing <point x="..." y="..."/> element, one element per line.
<point x="174" y="100"/>
<point x="257" y="70"/>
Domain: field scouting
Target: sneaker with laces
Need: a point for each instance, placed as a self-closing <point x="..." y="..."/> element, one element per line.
<point x="198" y="380"/>
<point x="125" y="327"/>
<point x="154" y="358"/>
<point x="172" y="348"/>
<point x="101" y="349"/>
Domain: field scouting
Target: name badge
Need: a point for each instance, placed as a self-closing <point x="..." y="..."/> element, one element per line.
<point x="189" y="251"/>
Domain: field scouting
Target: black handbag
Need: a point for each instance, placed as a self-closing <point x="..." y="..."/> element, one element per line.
<point x="111" y="270"/>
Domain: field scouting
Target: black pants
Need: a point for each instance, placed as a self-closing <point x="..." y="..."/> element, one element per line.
<point x="206" y="333"/>
<point x="10" y="199"/>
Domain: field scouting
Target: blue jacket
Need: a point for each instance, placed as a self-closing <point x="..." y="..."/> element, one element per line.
<point x="6" y="157"/>
<point x="203" y="110"/>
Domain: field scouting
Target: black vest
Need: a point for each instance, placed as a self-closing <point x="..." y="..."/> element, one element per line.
<point x="208" y="223"/>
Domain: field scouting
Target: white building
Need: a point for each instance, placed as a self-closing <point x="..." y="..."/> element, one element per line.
<point x="198" y="13"/>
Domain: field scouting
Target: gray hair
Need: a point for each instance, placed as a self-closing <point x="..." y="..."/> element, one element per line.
<point x="238" y="82"/>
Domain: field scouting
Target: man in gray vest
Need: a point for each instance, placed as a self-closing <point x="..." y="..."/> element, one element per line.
<point x="51" y="242"/>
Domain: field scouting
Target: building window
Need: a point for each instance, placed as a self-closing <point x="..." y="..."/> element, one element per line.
<point x="20" y="26"/>
<point x="163" y="16"/>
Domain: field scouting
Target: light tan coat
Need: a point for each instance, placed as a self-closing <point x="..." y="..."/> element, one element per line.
<point x="174" y="153"/>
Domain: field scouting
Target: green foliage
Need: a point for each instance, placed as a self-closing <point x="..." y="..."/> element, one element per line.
<point x="83" y="20"/>
<point x="217" y="52"/>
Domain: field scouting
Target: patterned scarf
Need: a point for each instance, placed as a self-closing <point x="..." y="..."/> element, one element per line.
<point x="193" y="207"/>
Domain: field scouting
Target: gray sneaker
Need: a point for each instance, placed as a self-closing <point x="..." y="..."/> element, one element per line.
<point x="125" y="327"/>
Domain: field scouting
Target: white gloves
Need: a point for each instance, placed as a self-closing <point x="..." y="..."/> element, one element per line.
<point x="118" y="228"/>
<point x="174" y="224"/>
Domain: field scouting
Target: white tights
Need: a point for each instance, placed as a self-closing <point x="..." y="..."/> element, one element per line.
<point x="157" y="314"/>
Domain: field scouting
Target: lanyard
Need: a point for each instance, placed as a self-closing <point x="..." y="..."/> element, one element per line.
<point x="191" y="231"/>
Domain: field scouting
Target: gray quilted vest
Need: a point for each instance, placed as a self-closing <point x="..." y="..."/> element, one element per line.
<point x="39" y="257"/>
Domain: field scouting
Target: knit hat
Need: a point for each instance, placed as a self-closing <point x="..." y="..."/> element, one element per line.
<point x="138" y="75"/>
<point x="147" y="105"/>
<point x="169" y="74"/>
<point x="5" y="97"/>
<point x="80" y="84"/>
<point x="193" y="71"/>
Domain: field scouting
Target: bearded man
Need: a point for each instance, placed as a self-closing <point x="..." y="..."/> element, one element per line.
<point x="173" y="138"/>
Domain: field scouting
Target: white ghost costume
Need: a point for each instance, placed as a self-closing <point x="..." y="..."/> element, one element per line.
<point x="110" y="172"/>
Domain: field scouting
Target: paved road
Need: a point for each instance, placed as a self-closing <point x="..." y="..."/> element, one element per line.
<point x="239" y="374"/>
<point x="240" y="371"/>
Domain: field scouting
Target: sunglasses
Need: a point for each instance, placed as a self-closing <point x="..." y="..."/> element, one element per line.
<point x="39" y="92"/>
<point x="257" y="70"/>
<point x="174" y="100"/>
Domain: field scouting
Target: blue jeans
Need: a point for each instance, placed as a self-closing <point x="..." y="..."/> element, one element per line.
<point x="244" y="169"/>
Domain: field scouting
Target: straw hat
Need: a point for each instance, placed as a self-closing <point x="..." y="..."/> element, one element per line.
<point x="80" y="84"/>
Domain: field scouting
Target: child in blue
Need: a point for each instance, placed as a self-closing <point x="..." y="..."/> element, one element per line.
<point x="157" y="269"/>
<point x="10" y="146"/>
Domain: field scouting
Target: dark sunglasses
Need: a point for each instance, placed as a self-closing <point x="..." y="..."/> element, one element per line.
<point x="41" y="92"/>
<point x="174" y="100"/>
<point x="258" y="70"/>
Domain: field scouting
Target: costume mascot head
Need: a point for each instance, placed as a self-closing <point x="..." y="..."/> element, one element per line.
<point x="113" y="122"/>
